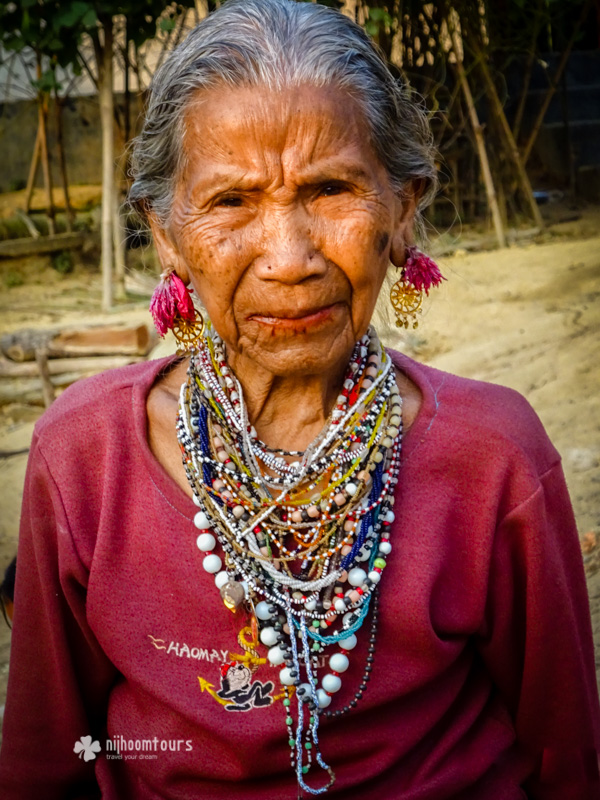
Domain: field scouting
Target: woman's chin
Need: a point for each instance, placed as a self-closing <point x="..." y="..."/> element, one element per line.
<point x="285" y="346"/>
<point x="288" y="353"/>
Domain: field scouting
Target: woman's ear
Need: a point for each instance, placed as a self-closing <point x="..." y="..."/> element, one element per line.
<point x="405" y="219"/>
<point x="168" y="252"/>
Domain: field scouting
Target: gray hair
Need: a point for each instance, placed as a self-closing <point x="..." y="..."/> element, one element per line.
<point x="278" y="43"/>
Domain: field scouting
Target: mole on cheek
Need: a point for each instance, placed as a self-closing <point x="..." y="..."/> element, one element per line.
<point x="382" y="241"/>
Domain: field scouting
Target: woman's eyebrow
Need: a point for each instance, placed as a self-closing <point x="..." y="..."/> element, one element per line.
<point x="227" y="180"/>
<point x="335" y="170"/>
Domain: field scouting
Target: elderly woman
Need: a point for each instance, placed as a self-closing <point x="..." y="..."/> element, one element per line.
<point x="289" y="562"/>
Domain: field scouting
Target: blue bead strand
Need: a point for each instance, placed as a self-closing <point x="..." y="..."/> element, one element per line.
<point x="207" y="474"/>
<point x="368" y="520"/>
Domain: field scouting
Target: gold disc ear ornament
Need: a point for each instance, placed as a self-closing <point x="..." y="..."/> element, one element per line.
<point x="187" y="333"/>
<point x="407" y="301"/>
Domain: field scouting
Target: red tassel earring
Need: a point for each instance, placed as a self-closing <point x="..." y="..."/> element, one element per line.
<point x="419" y="274"/>
<point x="172" y="308"/>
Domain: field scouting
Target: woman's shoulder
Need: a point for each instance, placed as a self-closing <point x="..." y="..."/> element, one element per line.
<point x="103" y="401"/>
<point x="475" y="414"/>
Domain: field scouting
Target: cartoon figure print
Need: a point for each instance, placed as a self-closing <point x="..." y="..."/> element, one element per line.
<point x="239" y="691"/>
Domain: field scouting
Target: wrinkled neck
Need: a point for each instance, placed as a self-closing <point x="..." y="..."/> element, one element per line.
<point x="288" y="412"/>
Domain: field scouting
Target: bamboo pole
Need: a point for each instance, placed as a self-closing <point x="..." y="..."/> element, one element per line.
<point x="33" y="168"/>
<point x="28" y="222"/>
<point x="479" y="140"/>
<point x="58" y="366"/>
<point x="63" y="161"/>
<point x="513" y="150"/>
<point x="41" y="357"/>
<point x="45" y="156"/>
<point x="120" y="175"/>
<point x="127" y="91"/>
<point x="119" y="246"/>
<point x="523" y="97"/>
<point x="105" y="71"/>
<point x="528" y="72"/>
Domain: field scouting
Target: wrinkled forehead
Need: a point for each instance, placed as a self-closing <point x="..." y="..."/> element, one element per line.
<point x="252" y="128"/>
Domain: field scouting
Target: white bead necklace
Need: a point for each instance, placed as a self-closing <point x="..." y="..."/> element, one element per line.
<point x="251" y="513"/>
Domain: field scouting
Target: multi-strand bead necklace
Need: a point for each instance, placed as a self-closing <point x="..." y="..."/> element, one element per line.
<point x="302" y="537"/>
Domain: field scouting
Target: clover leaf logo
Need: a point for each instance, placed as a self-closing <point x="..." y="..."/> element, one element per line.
<point x="86" y="748"/>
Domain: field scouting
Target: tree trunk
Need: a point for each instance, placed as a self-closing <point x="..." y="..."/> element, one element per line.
<point x="28" y="222"/>
<point x="524" y="91"/>
<point x="42" y="120"/>
<point x="528" y="71"/>
<point x="119" y="245"/>
<point x="478" y="132"/>
<point x="554" y="83"/>
<point x="120" y="175"/>
<point x="57" y="366"/>
<point x="127" y="93"/>
<point x="105" y="85"/>
<point x="41" y="357"/>
<point x="33" y="167"/>
<point x="512" y="148"/>
<point x="63" y="161"/>
<point x="135" y="340"/>
<point x="18" y="248"/>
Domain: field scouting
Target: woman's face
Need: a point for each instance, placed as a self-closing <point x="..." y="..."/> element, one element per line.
<point x="283" y="219"/>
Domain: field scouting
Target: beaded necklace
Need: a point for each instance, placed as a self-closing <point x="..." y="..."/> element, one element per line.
<point x="300" y="537"/>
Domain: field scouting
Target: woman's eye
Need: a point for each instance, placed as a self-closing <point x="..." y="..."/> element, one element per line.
<point x="230" y="202"/>
<point x="331" y="189"/>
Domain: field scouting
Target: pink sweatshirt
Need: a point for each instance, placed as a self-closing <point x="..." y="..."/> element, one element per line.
<point x="483" y="682"/>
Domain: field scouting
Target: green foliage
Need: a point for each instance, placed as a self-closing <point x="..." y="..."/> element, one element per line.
<point x="377" y="19"/>
<point x="167" y="24"/>
<point x="54" y="28"/>
<point x="380" y="23"/>
<point x="16" y="185"/>
<point x="47" y="83"/>
<point x="49" y="28"/>
<point x="13" y="278"/>
<point x="63" y="262"/>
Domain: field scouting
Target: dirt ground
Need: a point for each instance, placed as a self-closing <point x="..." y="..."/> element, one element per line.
<point x="527" y="317"/>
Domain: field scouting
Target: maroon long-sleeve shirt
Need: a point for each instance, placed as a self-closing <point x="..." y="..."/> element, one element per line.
<point x="483" y="681"/>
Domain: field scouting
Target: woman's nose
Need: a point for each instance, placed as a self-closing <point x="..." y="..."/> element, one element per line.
<point x="290" y="253"/>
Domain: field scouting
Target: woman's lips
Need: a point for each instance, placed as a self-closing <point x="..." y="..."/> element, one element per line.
<point x="297" y="321"/>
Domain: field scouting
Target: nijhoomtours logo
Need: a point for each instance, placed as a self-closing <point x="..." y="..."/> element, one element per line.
<point x="86" y="748"/>
<point x="130" y="749"/>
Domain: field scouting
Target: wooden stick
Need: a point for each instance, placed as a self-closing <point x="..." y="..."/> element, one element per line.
<point x="28" y="222"/>
<point x="28" y="390"/>
<point x="14" y="248"/>
<point x="33" y="167"/>
<point x="118" y="228"/>
<point x="41" y="357"/>
<point x="528" y="72"/>
<point x="132" y="340"/>
<point x="512" y="149"/>
<point x="127" y="92"/>
<point x="42" y="118"/>
<point x="478" y="132"/>
<point x="58" y="366"/>
<point x="105" y="70"/>
<point x="63" y="160"/>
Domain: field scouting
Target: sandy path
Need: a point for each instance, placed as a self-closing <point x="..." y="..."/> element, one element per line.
<point x="529" y="318"/>
<point x="525" y="317"/>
